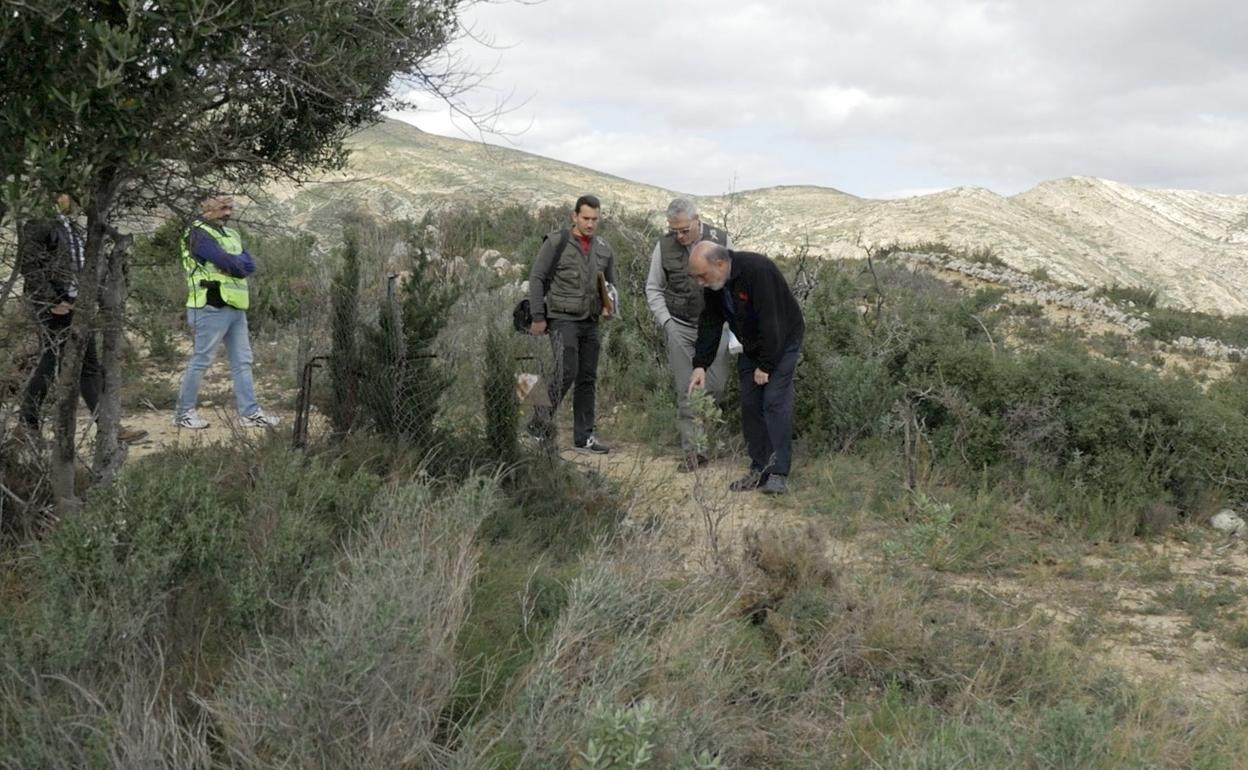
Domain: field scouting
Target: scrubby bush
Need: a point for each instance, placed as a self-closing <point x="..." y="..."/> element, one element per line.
<point x="1080" y="433"/>
<point x="1168" y="324"/>
<point x="344" y="363"/>
<point x="498" y="395"/>
<point x="400" y="383"/>
<point x="515" y="231"/>
<point x="365" y="680"/>
<point x="1139" y="297"/>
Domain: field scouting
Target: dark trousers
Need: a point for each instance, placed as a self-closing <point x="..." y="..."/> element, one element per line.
<point x="53" y="334"/>
<point x="767" y="414"/>
<point x="575" y="345"/>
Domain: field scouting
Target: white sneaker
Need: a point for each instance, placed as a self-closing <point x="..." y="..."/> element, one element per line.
<point x="190" y="420"/>
<point x="259" y="419"/>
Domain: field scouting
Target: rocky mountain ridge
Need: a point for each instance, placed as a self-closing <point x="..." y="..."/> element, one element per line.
<point x="1191" y="247"/>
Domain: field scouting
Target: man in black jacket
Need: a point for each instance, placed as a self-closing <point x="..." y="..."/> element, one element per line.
<point x="51" y="258"/>
<point x="749" y="292"/>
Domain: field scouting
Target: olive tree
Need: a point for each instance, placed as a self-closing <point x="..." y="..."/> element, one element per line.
<point x="136" y="106"/>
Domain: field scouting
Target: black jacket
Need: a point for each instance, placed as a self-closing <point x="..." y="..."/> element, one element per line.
<point x="46" y="261"/>
<point x="766" y="317"/>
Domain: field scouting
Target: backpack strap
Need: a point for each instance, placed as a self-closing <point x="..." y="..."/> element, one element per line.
<point x="564" y="235"/>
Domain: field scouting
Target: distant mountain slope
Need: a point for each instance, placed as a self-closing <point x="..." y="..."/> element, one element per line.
<point x="397" y="170"/>
<point x="1190" y="246"/>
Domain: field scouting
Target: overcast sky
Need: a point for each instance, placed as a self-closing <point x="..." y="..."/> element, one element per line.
<point x="879" y="99"/>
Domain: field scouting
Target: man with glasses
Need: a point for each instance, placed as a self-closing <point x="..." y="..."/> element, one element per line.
<point x="676" y="302"/>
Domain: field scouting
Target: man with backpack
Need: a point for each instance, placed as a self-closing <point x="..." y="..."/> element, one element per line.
<point x="565" y="300"/>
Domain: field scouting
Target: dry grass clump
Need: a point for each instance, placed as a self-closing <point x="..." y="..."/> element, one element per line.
<point x="364" y="683"/>
<point x="776" y="562"/>
<point x="95" y="721"/>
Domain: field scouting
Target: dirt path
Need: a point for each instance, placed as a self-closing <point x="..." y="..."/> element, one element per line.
<point x="1163" y="611"/>
<point x="696" y="512"/>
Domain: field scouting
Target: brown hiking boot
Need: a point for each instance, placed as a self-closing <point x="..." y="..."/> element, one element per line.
<point x="128" y="435"/>
<point x="691" y="462"/>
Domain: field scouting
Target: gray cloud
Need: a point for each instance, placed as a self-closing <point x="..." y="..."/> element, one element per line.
<point x="874" y="98"/>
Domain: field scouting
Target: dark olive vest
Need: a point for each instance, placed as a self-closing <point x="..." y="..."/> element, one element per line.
<point x="573" y="290"/>
<point x="684" y="297"/>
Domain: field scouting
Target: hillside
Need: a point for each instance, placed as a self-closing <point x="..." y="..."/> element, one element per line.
<point x="1192" y="247"/>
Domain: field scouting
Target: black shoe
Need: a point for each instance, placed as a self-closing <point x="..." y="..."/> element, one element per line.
<point x="592" y="444"/>
<point x="776" y="485"/>
<point x="749" y="482"/>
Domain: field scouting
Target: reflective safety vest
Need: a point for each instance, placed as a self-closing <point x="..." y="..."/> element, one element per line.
<point x="201" y="275"/>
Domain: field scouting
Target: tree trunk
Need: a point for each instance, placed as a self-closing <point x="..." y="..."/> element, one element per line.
<point x="82" y="323"/>
<point x="109" y="453"/>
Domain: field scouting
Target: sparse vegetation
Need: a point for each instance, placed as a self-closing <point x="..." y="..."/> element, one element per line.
<point x="1169" y="324"/>
<point x="1134" y="297"/>
<point x="471" y="602"/>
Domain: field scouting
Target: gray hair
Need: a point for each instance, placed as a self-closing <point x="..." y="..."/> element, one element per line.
<point x="682" y="207"/>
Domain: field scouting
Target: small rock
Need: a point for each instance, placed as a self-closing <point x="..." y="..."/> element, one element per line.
<point x="1228" y="521"/>
<point x="503" y="267"/>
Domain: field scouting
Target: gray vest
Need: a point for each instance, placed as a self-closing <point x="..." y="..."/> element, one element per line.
<point x="684" y="297"/>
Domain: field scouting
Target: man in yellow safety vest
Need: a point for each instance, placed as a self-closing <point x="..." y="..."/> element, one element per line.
<point x="217" y="267"/>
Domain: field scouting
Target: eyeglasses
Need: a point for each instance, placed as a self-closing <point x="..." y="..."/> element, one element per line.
<point x="683" y="231"/>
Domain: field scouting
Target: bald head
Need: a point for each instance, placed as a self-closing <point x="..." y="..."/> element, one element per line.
<point x="709" y="265"/>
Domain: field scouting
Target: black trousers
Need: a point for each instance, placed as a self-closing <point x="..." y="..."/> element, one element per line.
<point x="575" y="345"/>
<point x="767" y="414"/>
<point x="53" y="334"/>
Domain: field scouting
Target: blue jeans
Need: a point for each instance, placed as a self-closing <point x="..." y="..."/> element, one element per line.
<point x="210" y="326"/>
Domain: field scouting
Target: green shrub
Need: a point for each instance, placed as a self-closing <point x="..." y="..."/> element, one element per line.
<point x="556" y="508"/>
<point x="499" y="398"/>
<point x="1136" y="296"/>
<point x="843" y="400"/>
<point x="107" y="572"/>
<point x="625" y="739"/>
<point x="211" y="538"/>
<point x="513" y="230"/>
<point x="344" y="363"/>
<point x="1093" y="438"/>
<point x="1168" y="324"/>
<point x="400" y="381"/>
<point x="290" y="283"/>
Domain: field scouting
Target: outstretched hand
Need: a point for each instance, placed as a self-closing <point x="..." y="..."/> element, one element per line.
<point x="697" y="381"/>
